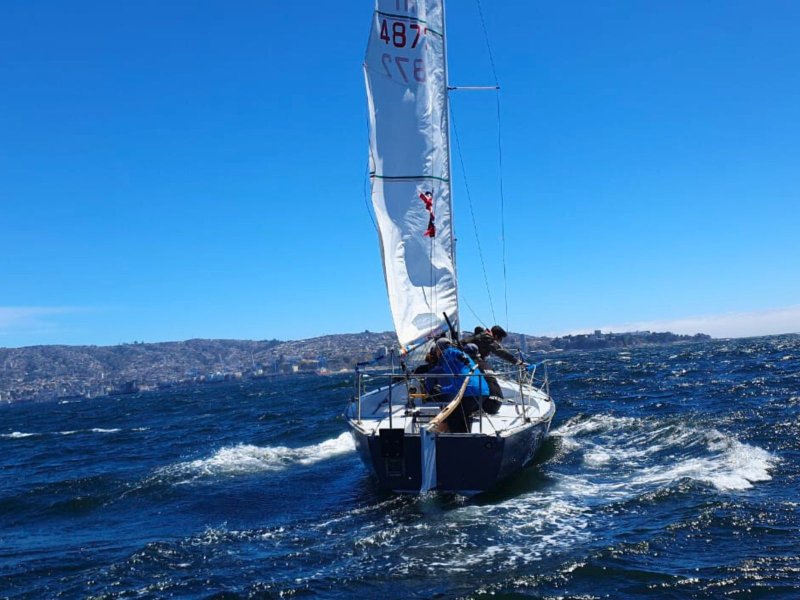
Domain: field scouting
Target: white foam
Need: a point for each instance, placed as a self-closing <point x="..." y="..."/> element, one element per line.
<point x="742" y="465"/>
<point x="625" y="448"/>
<point x="728" y="464"/>
<point x="597" y="457"/>
<point x="631" y="457"/>
<point x="19" y="434"/>
<point x="94" y="430"/>
<point x="594" y="424"/>
<point x="246" y="459"/>
<point x="521" y="530"/>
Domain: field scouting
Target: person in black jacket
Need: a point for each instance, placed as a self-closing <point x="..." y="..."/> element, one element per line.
<point x="488" y="342"/>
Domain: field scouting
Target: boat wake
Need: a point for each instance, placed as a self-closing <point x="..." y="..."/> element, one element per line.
<point x="246" y="459"/>
<point x="619" y="460"/>
<point x="602" y="462"/>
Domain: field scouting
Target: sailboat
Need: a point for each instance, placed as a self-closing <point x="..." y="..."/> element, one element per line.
<point x="398" y="425"/>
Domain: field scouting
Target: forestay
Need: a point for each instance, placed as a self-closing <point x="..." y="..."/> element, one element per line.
<point x="409" y="163"/>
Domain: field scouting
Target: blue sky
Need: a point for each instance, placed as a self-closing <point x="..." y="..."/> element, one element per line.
<point x="171" y="170"/>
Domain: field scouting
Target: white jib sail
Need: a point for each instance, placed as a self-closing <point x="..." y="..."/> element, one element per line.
<point x="410" y="163"/>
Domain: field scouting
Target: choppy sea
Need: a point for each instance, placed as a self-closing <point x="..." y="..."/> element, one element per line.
<point x="670" y="472"/>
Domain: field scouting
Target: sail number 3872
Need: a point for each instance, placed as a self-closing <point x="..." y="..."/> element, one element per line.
<point x="402" y="68"/>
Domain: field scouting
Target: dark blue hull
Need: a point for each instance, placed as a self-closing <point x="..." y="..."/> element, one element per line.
<point x="467" y="463"/>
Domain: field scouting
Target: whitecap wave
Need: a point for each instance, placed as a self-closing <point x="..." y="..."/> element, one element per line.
<point x="246" y="459"/>
<point x="731" y="465"/>
<point x="642" y="453"/>
<point x="20" y="434"/>
<point x="16" y="435"/>
<point x="594" y="424"/>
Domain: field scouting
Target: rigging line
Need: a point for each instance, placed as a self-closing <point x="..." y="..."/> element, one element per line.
<point x="474" y="314"/>
<point x="500" y="157"/>
<point x="366" y="179"/>
<point x="367" y="203"/>
<point x="486" y="38"/>
<point x="502" y="205"/>
<point x="434" y="287"/>
<point x="366" y="198"/>
<point x="471" y="210"/>
<point x="430" y="302"/>
<point x="367" y="171"/>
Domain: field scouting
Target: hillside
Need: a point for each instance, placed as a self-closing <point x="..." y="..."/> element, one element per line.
<point x="48" y="372"/>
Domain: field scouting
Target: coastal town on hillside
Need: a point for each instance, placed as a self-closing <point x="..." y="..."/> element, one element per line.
<point x="45" y="373"/>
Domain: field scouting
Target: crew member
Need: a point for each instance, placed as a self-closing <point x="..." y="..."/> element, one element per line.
<point x="490" y="342"/>
<point x="454" y="362"/>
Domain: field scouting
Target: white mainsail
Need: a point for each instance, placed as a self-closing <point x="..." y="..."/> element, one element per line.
<point x="410" y="163"/>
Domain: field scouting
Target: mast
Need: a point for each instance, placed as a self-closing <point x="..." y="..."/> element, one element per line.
<point x="449" y="157"/>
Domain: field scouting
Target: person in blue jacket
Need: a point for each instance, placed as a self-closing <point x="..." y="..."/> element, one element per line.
<point x="452" y="361"/>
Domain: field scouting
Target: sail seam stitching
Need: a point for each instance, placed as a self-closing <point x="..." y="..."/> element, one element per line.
<point x="408" y="177"/>
<point x="410" y="18"/>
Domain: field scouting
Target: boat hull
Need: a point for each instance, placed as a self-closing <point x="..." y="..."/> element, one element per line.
<point x="467" y="463"/>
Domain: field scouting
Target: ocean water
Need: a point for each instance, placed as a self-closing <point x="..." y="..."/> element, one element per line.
<point x="670" y="472"/>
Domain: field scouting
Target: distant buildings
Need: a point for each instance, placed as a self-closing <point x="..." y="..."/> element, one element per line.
<point x="41" y="373"/>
